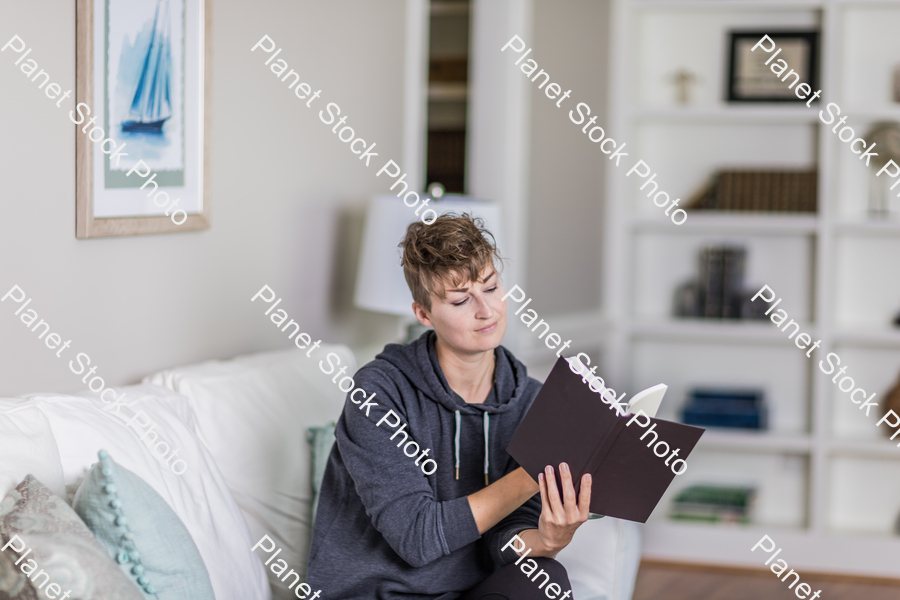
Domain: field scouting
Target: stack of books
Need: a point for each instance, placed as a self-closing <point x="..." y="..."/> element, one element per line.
<point x="718" y="292"/>
<point x="771" y="191"/>
<point x="734" y="408"/>
<point x="714" y="504"/>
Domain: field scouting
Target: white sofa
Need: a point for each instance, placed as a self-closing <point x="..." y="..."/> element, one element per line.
<point x="240" y="426"/>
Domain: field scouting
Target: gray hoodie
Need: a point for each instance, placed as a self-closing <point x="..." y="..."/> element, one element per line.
<point x="383" y="528"/>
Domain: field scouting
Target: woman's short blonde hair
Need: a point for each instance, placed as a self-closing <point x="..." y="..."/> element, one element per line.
<point x="454" y="248"/>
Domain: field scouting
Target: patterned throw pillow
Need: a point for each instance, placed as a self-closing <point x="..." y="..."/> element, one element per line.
<point x="56" y="552"/>
<point x="142" y="533"/>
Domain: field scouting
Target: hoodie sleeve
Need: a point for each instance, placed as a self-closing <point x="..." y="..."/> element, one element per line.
<point x="524" y="517"/>
<point x="396" y="493"/>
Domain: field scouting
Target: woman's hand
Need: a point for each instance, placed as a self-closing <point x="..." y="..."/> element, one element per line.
<point x="560" y="517"/>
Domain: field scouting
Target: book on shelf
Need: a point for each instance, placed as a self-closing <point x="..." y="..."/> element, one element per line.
<point x="712" y="259"/>
<point x="733" y="260"/>
<point x="751" y="310"/>
<point x="568" y="422"/>
<point x="718" y="292"/>
<point x="782" y="190"/>
<point x="714" y="504"/>
<point x="725" y="407"/>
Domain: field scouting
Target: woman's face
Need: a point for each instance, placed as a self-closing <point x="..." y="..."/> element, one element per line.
<point x="472" y="316"/>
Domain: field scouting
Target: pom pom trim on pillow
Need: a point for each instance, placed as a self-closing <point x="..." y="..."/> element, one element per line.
<point x="127" y="551"/>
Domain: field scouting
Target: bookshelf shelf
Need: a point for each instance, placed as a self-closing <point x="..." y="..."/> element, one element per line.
<point x="763" y="441"/>
<point x="830" y="484"/>
<point x="713" y="330"/>
<point x="882" y="114"/>
<point x="752" y="223"/>
<point x="868" y="338"/>
<point x="750" y="115"/>
<point x="868" y="228"/>
<point x="883" y="448"/>
<point x="752" y="5"/>
<point x="829" y="551"/>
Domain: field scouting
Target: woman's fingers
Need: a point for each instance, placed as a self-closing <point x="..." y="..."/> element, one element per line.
<point x="584" y="496"/>
<point x="556" y="507"/>
<point x="568" y="490"/>
<point x="571" y="509"/>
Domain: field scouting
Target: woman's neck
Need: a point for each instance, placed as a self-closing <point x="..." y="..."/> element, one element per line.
<point x="469" y="375"/>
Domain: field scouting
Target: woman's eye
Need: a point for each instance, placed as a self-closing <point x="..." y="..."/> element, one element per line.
<point x="492" y="289"/>
<point x="460" y="303"/>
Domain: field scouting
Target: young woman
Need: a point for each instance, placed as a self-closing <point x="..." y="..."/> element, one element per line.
<point x="385" y="528"/>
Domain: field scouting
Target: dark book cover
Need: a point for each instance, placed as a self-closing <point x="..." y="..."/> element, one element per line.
<point x="776" y="190"/>
<point x="711" y="267"/>
<point x="786" y="194"/>
<point x="742" y="409"/>
<point x="569" y="423"/>
<point x="723" y="192"/>
<point x="733" y="265"/>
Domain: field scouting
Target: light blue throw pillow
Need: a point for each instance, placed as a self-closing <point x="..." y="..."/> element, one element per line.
<point x="321" y="439"/>
<point x="141" y="533"/>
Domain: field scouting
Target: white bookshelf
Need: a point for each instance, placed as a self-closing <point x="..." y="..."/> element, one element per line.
<point x="828" y="480"/>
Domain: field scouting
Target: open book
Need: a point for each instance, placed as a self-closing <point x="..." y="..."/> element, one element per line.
<point x="569" y="422"/>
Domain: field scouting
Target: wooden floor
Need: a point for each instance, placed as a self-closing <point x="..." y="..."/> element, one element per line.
<point x="670" y="581"/>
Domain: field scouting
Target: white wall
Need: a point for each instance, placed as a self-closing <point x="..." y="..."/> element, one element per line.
<point x="287" y="199"/>
<point x="567" y="182"/>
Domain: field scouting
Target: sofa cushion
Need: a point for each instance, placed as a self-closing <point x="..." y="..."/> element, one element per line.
<point x="253" y="413"/>
<point x="141" y="533"/>
<point x="603" y="558"/>
<point x="39" y="529"/>
<point x="83" y="424"/>
<point x="27" y="447"/>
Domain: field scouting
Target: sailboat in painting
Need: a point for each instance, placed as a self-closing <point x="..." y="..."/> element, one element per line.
<point x="151" y="106"/>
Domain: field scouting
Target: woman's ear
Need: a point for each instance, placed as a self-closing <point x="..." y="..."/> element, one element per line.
<point x="421" y="314"/>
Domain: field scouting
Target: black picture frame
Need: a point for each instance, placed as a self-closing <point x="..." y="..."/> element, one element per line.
<point x="738" y="83"/>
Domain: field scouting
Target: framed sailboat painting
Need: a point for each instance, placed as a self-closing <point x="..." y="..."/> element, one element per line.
<point x="142" y="128"/>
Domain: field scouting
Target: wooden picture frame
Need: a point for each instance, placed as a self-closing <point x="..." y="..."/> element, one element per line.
<point x="145" y="65"/>
<point x="750" y="80"/>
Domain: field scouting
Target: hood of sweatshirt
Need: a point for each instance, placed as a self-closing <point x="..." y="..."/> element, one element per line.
<point x="419" y="364"/>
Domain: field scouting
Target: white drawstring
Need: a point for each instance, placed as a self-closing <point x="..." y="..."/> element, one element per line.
<point x="487" y="462"/>
<point x="457" y="444"/>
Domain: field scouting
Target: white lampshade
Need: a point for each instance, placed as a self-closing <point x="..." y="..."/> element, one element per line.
<point x="380" y="285"/>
